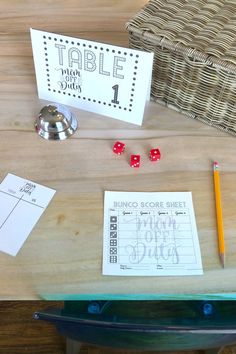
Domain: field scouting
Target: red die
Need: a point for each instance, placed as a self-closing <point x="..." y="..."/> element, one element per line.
<point x="154" y="154"/>
<point x="118" y="147"/>
<point x="135" y="160"/>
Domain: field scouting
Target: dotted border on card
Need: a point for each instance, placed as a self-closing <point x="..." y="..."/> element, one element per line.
<point x="96" y="47"/>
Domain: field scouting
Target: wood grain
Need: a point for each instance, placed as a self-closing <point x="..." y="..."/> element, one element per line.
<point x="20" y="333"/>
<point x="62" y="256"/>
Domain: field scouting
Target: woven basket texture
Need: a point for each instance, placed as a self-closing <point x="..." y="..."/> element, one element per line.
<point x="194" y="45"/>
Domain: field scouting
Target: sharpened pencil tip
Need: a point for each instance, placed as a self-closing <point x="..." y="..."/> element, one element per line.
<point x="222" y="259"/>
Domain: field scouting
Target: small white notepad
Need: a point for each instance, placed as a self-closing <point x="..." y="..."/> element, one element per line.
<point x="150" y="234"/>
<point x="22" y="202"/>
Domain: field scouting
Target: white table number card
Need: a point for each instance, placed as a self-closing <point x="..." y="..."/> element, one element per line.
<point x="97" y="77"/>
<point x="150" y="234"/>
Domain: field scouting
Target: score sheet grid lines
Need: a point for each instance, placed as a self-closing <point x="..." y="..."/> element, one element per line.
<point x="151" y="234"/>
<point x="22" y="204"/>
<point x="18" y="200"/>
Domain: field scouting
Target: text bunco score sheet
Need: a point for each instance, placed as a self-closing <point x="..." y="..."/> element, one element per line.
<point x="148" y="234"/>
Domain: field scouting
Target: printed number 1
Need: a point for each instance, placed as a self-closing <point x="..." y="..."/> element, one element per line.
<point x="115" y="88"/>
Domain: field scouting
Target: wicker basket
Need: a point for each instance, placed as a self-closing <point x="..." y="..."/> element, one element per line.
<point x="194" y="45"/>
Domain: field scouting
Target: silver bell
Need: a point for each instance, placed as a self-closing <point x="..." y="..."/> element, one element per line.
<point x="55" y="122"/>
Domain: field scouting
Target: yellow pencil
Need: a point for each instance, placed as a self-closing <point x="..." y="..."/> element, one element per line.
<point x="219" y="216"/>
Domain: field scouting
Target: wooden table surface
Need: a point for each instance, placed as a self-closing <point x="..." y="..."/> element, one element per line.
<point x="62" y="257"/>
